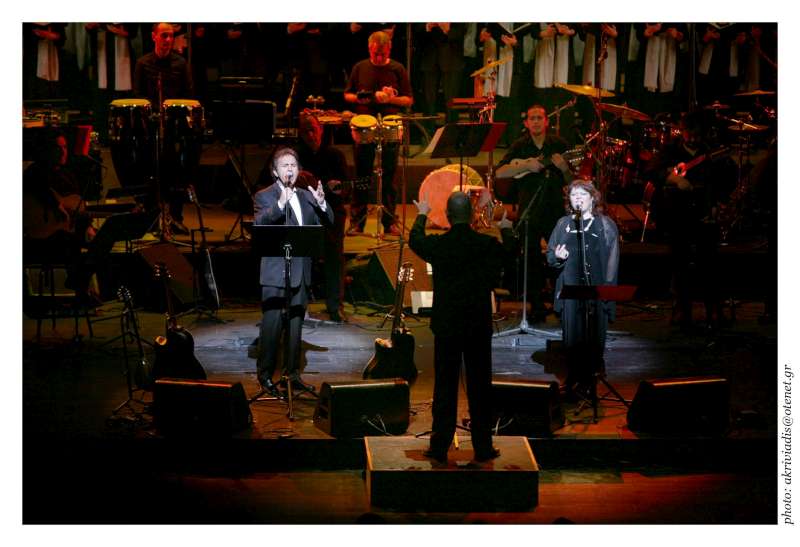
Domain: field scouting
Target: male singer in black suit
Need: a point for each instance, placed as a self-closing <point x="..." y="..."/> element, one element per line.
<point x="466" y="267"/>
<point x="285" y="204"/>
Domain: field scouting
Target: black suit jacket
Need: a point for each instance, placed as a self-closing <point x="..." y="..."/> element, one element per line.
<point x="268" y="212"/>
<point x="466" y="268"/>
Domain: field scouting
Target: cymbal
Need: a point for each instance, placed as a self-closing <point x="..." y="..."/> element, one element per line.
<point x="716" y="105"/>
<point x="586" y="90"/>
<point x="747" y="128"/>
<point x="489" y="66"/>
<point x="625" y="111"/>
<point x="754" y="93"/>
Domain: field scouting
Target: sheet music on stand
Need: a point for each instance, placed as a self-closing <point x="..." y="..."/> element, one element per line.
<point x="465" y="140"/>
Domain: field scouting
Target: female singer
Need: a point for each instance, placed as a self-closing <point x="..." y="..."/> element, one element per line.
<point x="584" y="322"/>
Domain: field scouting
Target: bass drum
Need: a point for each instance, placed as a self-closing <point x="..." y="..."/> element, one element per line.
<point x="130" y="140"/>
<point x="439" y="184"/>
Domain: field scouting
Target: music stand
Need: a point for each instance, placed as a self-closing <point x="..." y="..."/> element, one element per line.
<point x="586" y="294"/>
<point x="460" y="140"/>
<point x="126" y="227"/>
<point x="240" y="119"/>
<point x="287" y="241"/>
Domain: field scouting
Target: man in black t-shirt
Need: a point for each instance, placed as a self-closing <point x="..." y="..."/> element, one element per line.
<point x="377" y="85"/>
<point x="534" y="162"/>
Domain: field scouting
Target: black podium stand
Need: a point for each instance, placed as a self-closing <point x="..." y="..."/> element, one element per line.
<point x="288" y="242"/>
<point x="464" y="140"/>
<point x="588" y="294"/>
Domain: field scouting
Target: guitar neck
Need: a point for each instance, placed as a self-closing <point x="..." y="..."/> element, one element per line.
<point x="397" y="313"/>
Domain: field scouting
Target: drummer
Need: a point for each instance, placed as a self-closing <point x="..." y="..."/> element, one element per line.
<point x="377" y="86"/>
<point x="161" y="75"/>
<point x="534" y="164"/>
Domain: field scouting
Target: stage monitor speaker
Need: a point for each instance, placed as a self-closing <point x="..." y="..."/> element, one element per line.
<point x="199" y="407"/>
<point x="382" y="275"/>
<point x="356" y="409"/>
<point x="527" y="407"/>
<point x="681" y="405"/>
<point x="180" y="269"/>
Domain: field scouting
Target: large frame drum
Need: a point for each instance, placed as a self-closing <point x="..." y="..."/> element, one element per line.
<point x="130" y="140"/>
<point x="439" y="184"/>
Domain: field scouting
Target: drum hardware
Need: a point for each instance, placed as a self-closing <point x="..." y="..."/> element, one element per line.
<point x="624" y="111"/>
<point x="716" y="105"/>
<point x="587" y="91"/>
<point x="491" y="65"/>
<point x="557" y="113"/>
<point x="315" y="101"/>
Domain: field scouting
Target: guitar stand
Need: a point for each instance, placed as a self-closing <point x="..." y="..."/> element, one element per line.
<point x="199" y="309"/>
<point x="128" y="403"/>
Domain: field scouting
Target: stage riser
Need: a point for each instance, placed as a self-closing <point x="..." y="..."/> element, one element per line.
<point x="400" y="477"/>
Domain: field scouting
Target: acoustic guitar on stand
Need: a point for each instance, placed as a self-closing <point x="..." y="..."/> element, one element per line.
<point x="394" y="358"/>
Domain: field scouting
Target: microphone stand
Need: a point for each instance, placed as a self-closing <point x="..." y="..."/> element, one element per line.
<point x="589" y="311"/>
<point x="523" y="327"/>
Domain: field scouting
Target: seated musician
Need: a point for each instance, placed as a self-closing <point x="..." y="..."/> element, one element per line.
<point x="327" y="164"/>
<point x="534" y="164"/>
<point x="55" y="227"/>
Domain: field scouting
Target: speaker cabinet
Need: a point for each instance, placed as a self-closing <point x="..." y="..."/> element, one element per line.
<point x="183" y="407"/>
<point x="527" y="407"/>
<point x="681" y="405"/>
<point x="356" y="409"/>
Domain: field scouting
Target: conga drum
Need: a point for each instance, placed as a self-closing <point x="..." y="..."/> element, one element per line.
<point x="130" y="140"/>
<point x="184" y="124"/>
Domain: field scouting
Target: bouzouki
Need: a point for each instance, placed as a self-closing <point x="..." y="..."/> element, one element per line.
<point x="207" y="283"/>
<point x="394" y="358"/>
<point x="175" y="350"/>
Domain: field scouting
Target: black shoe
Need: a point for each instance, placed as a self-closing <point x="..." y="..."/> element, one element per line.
<point x="438" y="457"/>
<point x="486" y="456"/>
<point x="298" y="385"/>
<point x="269" y="388"/>
<point x="335" y="317"/>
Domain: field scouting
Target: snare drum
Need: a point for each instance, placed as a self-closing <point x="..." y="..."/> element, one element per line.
<point x="392" y="129"/>
<point x="363" y="128"/>
<point x="439" y="184"/>
<point x="129" y="140"/>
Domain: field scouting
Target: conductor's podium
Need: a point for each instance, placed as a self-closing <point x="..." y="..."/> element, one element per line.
<point x="400" y="477"/>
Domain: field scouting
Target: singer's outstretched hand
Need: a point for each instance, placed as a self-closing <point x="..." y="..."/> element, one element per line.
<point x="319" y="194"/>
<point x="561" y="252"/>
